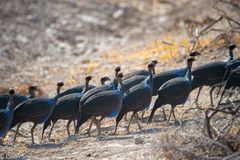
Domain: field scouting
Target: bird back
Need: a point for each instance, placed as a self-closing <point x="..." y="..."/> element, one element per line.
<point x="211" y="71"/>
<point x="96" y="90"/>
<point x="161" y="78"/>
<point x="175" y="88"/>
<point x="136" y="73"/>
<point x="132" y="81"/>
<point x="103" y="103"/>
<point x="137" y="98"/>
<point x="77" y="89"/>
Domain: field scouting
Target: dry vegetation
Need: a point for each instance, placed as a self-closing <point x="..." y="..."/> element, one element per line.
<point x="45" y="41"/>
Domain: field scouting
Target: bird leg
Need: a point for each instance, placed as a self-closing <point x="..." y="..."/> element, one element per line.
<point x="164" y="114"/>
<point x="15" y="137"/>
<point x="170" y="114"/>
<point x="74" y="123"/>
<point x="68" y="124"/>
<point x="33" y="127"/>
<point x="198" y="94"/>
<point x="173" y="107"/>
<point x="50" y="132"/>
<point x="1" y="142"/>
<point x="127" y="129"/>
<point x="97" y="125"/>
<point x="125" y="117"/>
<point x="143" y="112"/>
<point x="90" y="126"/>
<point x="137" y="119"/>
<point x="211" y="97"/>
<point x="19" y="134"/>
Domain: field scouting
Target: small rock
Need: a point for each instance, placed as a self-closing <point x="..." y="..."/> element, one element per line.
<point x="138" y="139"/>
<point x="89" y="155"/>
<point x="118" y="13"/>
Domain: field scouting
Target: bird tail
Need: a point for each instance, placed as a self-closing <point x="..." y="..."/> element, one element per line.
<point x="118" y="119"/>
<point x="157" y="104"/>
<point x="79" y="118"/>
<point x="46" y="124"/>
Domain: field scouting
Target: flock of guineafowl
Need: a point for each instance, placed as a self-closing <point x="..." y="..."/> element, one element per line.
<point x="132" y="92"/>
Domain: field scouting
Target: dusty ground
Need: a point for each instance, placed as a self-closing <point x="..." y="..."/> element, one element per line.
<point x="46" y="41"/>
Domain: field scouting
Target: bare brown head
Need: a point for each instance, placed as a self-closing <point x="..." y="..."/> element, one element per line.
<point x="151" y="67"/>
<point x="155" y="62"/>
<point x="33" y="87"/>
<point x="11" y="91"/>
<point x="60" y="84"/>
<point x="88" y="78"/>
<point x="194" y="54"/>
<point x="32" y="90"/>
<point x="118" y="69"/>
<point x="104" y="79"/>
<point x="232" y="46"/>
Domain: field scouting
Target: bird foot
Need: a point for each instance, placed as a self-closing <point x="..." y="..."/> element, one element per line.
<point x="51" y="140"/>
<point x="127" y="131"/>
<point x="88" y="134"/>
<point x="99" y="138"/>
<point x="164" y="118"/>
<point x="176" y="123"/>
<point x="113" y="133"/>
<point x="1" y="144"/>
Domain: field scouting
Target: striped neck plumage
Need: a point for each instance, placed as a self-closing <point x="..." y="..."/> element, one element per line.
<point x="86" y="86"/>
<point x="10" y="102"/>
<point x="121" y="88"/>
<point x="189" y="68"/>
<point x="150" y="76"/>
<point x="116" y="79"/>
<point x="58" y="92"/>
<point x="32" y="93"/>
<point x="230" y="54"/>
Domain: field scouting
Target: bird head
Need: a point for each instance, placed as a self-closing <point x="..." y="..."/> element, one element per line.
<point x="155" y="62"/>
<point x="88" y="78"/>
<point x="104" y="79"/>
<point x="60" y="84"/>
<point x="151" y="67"/>
<point x="232" y="46"/>
<point x="117" y="69"/>
<point x="33" y="87"/>
<point x="11" y="91"/>
<point x="194" y="54"/>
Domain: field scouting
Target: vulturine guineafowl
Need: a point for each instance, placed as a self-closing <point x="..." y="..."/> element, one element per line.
<point x="17" y="98"/>
<point x="77" y="89"/>
<point x="174" y="92"/>
<point x="210" y="74"/>
<point x="137" y="98"/>
<point x="6" y="116"/>
<point x="139" y="72"/>
<point x="160" y="78"/>
<point x="103" y="104"/>
<point x="36" y="110"/>
<point x="67" y="108"/>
